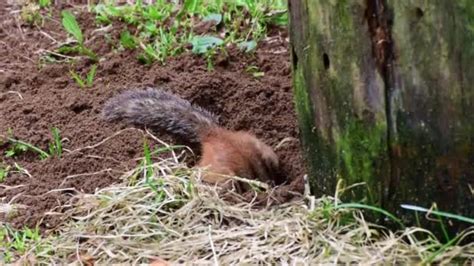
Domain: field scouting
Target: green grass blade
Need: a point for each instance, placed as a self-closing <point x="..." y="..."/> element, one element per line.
<point x="58" y="148"/>
<point x="71" y="26"/>
<point x="87" y="52"/>
<point x="91" y="75"/>
<point x="77" y="78"/>
<point x="148" y="166"/>
<point x="127" y="40"/>
<point x="439" y="213"/>
<point x="435" y="254"/>
<point x="44" y="3"/>
<point x="372" y="208"/>
<point x="191" y="6"/>
<point x="42" y="153"/>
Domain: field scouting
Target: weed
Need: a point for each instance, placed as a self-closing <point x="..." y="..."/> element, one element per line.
<point x="207" y="46"/>
<point x="88" y="81"/>
<point x="77" y="78"/>
<point x="30" y="14"/>
<point x="165" y="45"/>
<point x="91" y="75"/>
<point x="164" y="31"/>
<point x="127" y="40"/>
<point x="44" y="3"/>
<point x="55" y="147"/>
<point x="149" y="173"/>
<point x="16" y="243"/>
<point x="4" y="172"/>
<point x="16" y="149"/>
<point x="72" y="27"/>
<point x="209" y="56"/>
<point x="438" y="213"/>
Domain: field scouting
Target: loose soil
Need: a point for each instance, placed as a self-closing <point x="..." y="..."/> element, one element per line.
<point x="34" y="97"/>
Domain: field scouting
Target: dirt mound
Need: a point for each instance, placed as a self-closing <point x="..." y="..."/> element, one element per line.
<point x="34" y="97"/>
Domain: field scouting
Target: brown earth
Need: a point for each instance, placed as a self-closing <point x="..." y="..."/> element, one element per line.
<point x="34" y="97"/>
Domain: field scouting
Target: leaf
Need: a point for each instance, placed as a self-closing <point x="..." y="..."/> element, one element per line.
<point x="201" y="44"/>
<point x="153" y="13"/>
<point x="10" y="153"/>
<point x="89" y="53"/>
<point x="71" y="26"/>
<point x="255" y="71"/>
<point x="21" y="147"/>
<point x="372" y="208"/>
<point x="44" y="3"/>
<point x="151" y="28"/>
<point x="247" y="46"/>
<point x="191" y="6"/>
<point x="217" y="18"/>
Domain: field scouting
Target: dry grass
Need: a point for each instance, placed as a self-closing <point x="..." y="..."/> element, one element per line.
<point x="172" y="215"/>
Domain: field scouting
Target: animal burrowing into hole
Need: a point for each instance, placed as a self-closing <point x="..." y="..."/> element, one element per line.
<point x="224" y="153"/>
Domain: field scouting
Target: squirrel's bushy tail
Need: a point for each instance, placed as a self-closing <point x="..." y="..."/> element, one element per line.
<point x="160" y="111"/>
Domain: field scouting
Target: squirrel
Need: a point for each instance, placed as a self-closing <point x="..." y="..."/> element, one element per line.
<point x="224" y="152"/>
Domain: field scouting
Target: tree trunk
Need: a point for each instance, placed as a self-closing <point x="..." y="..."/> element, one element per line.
<point x="384" y="91"/>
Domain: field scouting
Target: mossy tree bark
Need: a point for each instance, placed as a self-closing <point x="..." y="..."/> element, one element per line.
<point x="384" y="91"/>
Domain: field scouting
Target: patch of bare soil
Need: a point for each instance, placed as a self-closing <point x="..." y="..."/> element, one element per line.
<point x="35" y="97"/>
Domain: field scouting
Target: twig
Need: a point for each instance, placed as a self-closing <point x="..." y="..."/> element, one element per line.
<point x="84" y="174"/>
<point x="212" y="247"/>
<point x="283" y="141"/>
<point x="56" y="54"/>
<point x="13" y="92"/>
<point x="104" y="140"/>
<point x="48" y="36"/>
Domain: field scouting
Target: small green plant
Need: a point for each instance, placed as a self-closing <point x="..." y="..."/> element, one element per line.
<point x="4" y="172"/>
<point x="55" y="147"/>
<point x="31" y="15"/>
<point x="88" y="81"/>
<point x="17" y="147"/>
<point x="164" y="31"/>
<point x="72" y="27"/>
<point x="127" y="40"/>
<point x="16" y="243"/>
<point x="149" y="172"/>
<point x="44" y="3"/>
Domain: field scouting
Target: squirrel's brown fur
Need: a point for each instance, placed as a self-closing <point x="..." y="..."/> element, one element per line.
<point x="223" y="152"/>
